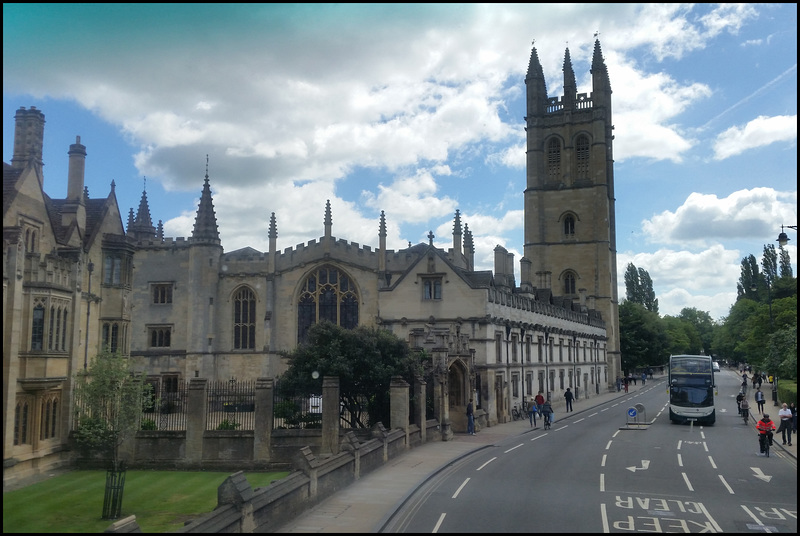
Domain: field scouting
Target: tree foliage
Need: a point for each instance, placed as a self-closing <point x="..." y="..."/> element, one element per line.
<point x="639" y="288"/>
<point x="364" y="359"/>
<point x="644" y="340"/>
<point x="109" y="400"/>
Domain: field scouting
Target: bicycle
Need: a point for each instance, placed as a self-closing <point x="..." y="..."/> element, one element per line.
<point x="546" y="417"/>
<point x="517" y="414"/>
<point x="746" y="415"/>
<point x="763" y="442"/>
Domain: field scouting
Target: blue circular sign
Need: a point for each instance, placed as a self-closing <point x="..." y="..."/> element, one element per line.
<point x="631" y="412"/>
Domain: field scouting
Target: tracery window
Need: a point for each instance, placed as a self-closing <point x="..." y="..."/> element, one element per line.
<point x="569" y="283"/>
<point x="582" y="155"/>
<point x="160" y="337"/>
<point x="554" y="159"/>
<point x="327" y="294"/>
<point x="244" y="319"/>
<point x="21" y="422"/>
<point x="162" y="293"/>
<point x="432" y="288"/>
<point x="37" y="325"/>
<point x="114" y="335"/>
<point x="49" y="421"/>
<point x="569" y="226"/>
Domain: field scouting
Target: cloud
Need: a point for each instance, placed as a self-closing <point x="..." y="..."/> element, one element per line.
<point x="759" y="132"/>
<point x="705" y="218"/>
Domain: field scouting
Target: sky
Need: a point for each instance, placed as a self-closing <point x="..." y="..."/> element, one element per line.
<point x="417" y="110"/>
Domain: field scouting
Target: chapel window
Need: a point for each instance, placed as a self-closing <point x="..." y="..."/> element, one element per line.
<point x="327" y="294"/>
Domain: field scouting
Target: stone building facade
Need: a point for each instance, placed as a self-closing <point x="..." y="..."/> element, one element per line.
<point x="183" y="308"/>
<point x="67" y="271"/>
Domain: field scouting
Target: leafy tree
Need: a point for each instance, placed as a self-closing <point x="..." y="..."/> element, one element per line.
<point x="364" y="359"/>
<point x="704" y="327"/>
<point x="639" y="288"/>
<point x="784" y="264"/>
<point x="644" y="340"/>
<point x="110" y="399"/>
<point x="683" y="336"/>
<point x="748" y="277"/>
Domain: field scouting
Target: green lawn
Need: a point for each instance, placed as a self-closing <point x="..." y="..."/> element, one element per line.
<point x="73" y="502"/>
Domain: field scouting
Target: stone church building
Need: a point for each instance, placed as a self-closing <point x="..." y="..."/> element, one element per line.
<point x="75" y="281"/>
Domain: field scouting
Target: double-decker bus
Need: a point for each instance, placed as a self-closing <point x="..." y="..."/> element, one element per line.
<point x="691" y="389"/>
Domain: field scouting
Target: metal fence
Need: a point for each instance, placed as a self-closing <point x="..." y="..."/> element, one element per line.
<point x="168" y="411"/>
<point x="305" y="411"/>
<point x="231" y="405"/>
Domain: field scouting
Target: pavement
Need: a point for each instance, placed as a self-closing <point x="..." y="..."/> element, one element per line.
<point x="367" y="504"/>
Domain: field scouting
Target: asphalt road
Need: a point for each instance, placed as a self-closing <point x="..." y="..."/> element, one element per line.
<point x="592" y="472"/>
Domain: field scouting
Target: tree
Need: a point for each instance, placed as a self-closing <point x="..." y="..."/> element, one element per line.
<point x="364" y="359"/>
<point x="704" y="326"/>
<point x="748" y="277"/>
<point x="639" y="288"/>
<point x="109" y="400"/>
<point x="785" y="264"/>
<point x="644" y="340"/>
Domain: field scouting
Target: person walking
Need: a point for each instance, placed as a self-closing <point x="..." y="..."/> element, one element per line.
<point x="794" y="417"/>
<point x="626" y="384"/>
<point x="569" y="397"/>
<point x="785" y="416"/>
<point x="760" y="401"/>
<point x="533" y="409"/>
<point x="539" y="399"/>
<point x="644" y="378"/>
<point x="470" y="419"/>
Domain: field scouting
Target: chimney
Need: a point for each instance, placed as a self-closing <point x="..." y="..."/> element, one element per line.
<point x="28" y="137"/>
<point x="77" y="165"/>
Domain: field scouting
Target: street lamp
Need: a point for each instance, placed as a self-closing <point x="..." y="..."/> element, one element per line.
<point x="574" y="359"/>
<point x="782" y="238"/>
<point x="547" y="363"/>
<point x="90" y="269"/>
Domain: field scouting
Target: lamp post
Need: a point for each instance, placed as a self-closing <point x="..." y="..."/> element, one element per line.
<point x="782" y="238"/>
<point x="508" y="365"/>
<point x="522" y="360"/>
<point x="547" y="364"/>
<point x="574" y="359"/>
<point x="596" y="369"/>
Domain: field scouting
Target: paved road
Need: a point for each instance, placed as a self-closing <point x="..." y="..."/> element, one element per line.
<point x="366" y="505"/>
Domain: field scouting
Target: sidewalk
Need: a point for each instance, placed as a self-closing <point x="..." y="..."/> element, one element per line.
<point x="365" y="505"/>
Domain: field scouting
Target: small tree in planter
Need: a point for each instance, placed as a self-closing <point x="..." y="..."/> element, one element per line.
<point x="109" y="400"/>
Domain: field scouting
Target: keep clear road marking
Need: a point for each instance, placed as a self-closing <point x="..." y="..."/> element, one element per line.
<point x="645" y="465"/>
<point x="758" y="473"/>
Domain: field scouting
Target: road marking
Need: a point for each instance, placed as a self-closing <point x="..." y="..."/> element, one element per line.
<point x="539" y="437"/>
<point x="487" y="463"/>
<point x="602" y="482"/>
<point x="460" y="488"/>
<point x="644" y="467"/>
<point x="688" y="484"/>
<point x="608" y="445"/>
<point x="680" y="460"/>
<point x="579" y="420"/>
<point x="439" y="523"/>
<point x="603" y="460"/>
<point x="604" y="516"/>
<point x="758" y="473"/>
<point x="513" y="448"/>
<point x="724" y="483"/>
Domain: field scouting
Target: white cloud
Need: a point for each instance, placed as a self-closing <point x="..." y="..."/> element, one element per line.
<point x="759" y="132"/>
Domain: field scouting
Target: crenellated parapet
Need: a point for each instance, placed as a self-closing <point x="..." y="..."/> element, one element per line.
<point x="524" y="303"/>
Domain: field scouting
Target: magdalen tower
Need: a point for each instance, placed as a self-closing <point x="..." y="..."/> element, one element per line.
<point x="570" y="228"/>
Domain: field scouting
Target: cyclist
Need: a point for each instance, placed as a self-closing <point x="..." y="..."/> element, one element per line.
<point x="744" y="409"/>
<point x="547" y="413"/>
<point x="765" y="427"/>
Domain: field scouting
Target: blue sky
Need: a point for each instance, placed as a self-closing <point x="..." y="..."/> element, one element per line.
<point x="417" y="110"/>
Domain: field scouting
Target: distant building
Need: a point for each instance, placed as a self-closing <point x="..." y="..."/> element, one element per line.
<point x="189" y="309"/>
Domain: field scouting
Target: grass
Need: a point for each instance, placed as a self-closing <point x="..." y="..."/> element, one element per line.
<point x="161" y="500"/>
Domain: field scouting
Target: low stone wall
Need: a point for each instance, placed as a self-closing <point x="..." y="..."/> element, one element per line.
<point x="242" y="509"/>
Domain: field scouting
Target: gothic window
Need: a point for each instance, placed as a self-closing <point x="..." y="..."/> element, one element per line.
<point x="244" y="319"/>
<point x="327" y="294"/>
<point x="554" y="160"/>
<point x="112" y="270"/>
<point x="64" y="332"/>
<point x="48" y="423"/>
<point x="569" y="283"/>
<point x="582" y="153"/>
<point x="37" y="331"/>
<point x="31" y="245"/>
<point x="160" y="336"/>
<point x="113" y="334"/>
<point x="21" y="414"/>
<point x="569" y="226"/>
<point x="432" y="288"/>
<point x="162" y="292"/>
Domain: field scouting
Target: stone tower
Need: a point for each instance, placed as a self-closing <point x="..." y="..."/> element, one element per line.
<point x="570" y="229"/>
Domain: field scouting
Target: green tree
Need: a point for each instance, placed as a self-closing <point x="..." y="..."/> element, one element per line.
<point x="644" y="340"/>
<point x="682" y="335"/>
<point x="749" y="276"/>
<point x="364" y="359"/>
<point x="109" y="400"/>
<point x="704" y="326"/>
<point x="639" y="288"/>
<point x="784" y="264"/>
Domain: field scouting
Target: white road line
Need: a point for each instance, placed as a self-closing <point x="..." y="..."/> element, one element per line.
<point x="460" y="488"/>
<point x="602" y="482"/>
<point x="604" y="517"/>
<point x="680" y="460"/>
<point x="724" y="483"/>
<point x="603" y="460"/>
<point x="513" y="448"/>
<point x="487" y="463"/>
<point x="688" y="484"/>
<point x="711" y="460"/>
<point x="438" y="524"/>
<point x="608" y="445"/>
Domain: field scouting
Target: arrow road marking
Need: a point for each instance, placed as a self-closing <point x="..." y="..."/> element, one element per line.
<point x="758" y="473"/>
<point x="645" y="465"/>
